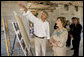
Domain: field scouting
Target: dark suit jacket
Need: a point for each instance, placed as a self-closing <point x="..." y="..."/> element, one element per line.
<point x="76" y="31"/>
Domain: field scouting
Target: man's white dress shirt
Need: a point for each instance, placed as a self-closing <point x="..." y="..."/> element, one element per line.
<point x="41" y="29"/>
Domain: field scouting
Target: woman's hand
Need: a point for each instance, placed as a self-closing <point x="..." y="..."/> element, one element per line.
<point x="22" y="6"/>
<point x="53" y="42"/>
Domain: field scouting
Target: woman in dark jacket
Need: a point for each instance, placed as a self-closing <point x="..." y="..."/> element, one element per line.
<point x="76" y="35"/>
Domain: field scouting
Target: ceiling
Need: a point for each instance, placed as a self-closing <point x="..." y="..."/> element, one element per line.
<point x="51" y="5"/>
<point x="74" y="3"/>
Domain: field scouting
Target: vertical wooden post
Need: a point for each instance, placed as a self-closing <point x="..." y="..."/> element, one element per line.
<point x="5" y="36"/>
<point x="8" y="35"/>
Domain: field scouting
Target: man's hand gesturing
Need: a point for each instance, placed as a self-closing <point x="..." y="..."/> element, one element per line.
<point x="22" y="6"/>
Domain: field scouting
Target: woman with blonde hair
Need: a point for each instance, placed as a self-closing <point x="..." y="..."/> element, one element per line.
<point x="59" y="38"/>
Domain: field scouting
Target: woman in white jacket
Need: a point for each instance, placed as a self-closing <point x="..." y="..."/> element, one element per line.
<point x="59" y="38"/>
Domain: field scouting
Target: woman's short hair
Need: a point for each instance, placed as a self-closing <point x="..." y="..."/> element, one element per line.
<point x="67" y="21"/>
<point x="63" y="20"/>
